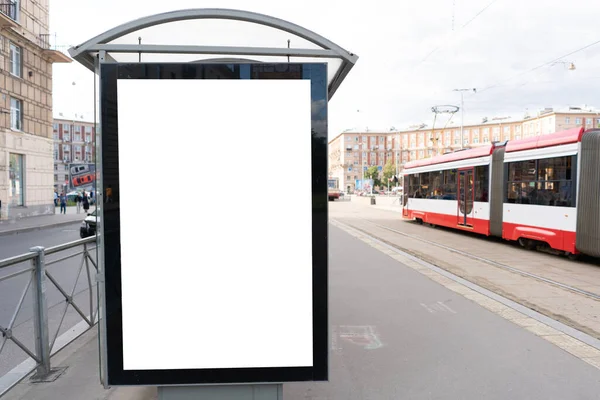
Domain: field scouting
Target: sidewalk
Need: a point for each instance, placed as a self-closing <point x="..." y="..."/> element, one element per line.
<point x="80" y="380"/>
<point x="15" y="226"/>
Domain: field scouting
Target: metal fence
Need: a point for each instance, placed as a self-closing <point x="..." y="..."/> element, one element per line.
<point x="38" y="327"/>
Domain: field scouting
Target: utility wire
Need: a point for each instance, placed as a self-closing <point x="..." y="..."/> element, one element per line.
<point x="461" y="28"/>
<point x="538" y="67"/>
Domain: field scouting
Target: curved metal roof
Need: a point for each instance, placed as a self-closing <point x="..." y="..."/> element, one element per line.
<point x="84" y="53"/>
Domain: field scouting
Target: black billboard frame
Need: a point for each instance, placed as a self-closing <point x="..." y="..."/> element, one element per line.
<point x="110" y="73"/>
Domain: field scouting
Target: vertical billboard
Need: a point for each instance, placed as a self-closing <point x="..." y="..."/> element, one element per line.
<point x="219" y="287"/>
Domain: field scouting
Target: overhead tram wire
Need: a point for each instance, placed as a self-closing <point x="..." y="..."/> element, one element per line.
<point x="453" y="32"/>
<point x="499" y="83"/>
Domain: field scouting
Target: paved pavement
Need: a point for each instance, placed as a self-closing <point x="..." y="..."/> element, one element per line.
<point x="395" y="334"/>
<point x="16" y="226"/>
<point x="572" y="308"/>
<point x="80" y="381"/>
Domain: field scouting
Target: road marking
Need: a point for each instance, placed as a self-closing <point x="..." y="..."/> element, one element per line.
<point x="577" y="348"/>
<point x="437" y="307"/>
<point x="427" y="308"/>
<point x="447" y="307"/>
<point x="362" y="335"/>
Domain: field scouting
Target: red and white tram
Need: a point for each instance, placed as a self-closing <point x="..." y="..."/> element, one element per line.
<point x="541" y="190"/>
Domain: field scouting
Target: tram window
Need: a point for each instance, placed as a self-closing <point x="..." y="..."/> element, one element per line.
<point x="449" y="187"/>
<point x="436" y="181"/>
<point x="425" y="186"/>
<point x="523" y="171"/>
<point x="482" y="183"/>
<point x="414" y="189"/>
<point x="554" y="169"/>
<point x="545" y="182"/>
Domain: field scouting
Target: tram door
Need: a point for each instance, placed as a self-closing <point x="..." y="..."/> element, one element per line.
<point x="405" y="196"/>
<point x="465" y="196"/>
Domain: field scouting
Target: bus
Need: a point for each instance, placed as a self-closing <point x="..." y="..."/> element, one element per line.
<point x="333" y="188"/>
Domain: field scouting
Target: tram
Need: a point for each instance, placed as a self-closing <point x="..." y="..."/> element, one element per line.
<point x="543" y="190"/>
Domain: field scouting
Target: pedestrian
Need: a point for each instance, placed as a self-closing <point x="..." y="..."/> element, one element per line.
<point x="63" y="203"/>
<point x="78" y="200"/>
<point x="108" y="198"/>
<point x="86" y="203"/>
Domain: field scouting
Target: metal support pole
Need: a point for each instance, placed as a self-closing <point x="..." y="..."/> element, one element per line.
<point x="221" y="392"/>
<point x="462" y="120"/>
<point x="40" y="313"/>
<point x="43" y="371"/>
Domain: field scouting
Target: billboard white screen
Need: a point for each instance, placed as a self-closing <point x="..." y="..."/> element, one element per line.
<point x="215" y="213"/>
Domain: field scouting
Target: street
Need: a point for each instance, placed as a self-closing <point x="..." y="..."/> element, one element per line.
<point x="64" y="272"/>
<point x="395" y="334"/>
<point x="12" y="245"/>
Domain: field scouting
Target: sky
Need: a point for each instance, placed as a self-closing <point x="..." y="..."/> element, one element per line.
<point x="411" y="54"/>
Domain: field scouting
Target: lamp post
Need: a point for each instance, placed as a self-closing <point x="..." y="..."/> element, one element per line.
<point x="462" y="112"/>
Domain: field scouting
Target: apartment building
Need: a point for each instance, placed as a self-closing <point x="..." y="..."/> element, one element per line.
<point x="351" y="149"/>
<point x="352" y="152"/>
<point x="73" y="144"/>
<point x="26" y="58"/>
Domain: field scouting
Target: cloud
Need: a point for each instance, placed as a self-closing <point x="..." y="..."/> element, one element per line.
<point x="391" y="83"/>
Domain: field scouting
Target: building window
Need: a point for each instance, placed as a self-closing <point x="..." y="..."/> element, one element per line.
<point x="567" y="120"/>
<point x="16" y="115"/>
<point x="56" y="151"/>
<point x="66" y="128"/>
<point x="578" y="121"/>
<point x="15" y="60"/>
<point x="55" y="127"/>
<point x="88" y="130"/>
<point x="16" y="183"/>
<point x="588" y="121"/>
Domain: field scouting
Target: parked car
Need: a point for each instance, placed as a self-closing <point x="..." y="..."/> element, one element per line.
<point x="88" y="225"/>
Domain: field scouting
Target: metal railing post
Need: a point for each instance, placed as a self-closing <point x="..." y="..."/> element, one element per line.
<point x="40" y="313"/>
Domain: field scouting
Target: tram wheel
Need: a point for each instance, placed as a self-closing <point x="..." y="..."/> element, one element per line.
<point x="571" y="256"/>
<point x="527" y="243"/>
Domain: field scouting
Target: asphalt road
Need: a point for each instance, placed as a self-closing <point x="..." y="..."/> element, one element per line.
<point x="12" y="245"/>
<point x="395" y="334"/>
<point x="64" y="272"/>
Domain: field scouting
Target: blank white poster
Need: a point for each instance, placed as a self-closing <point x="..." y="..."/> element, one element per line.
<point x="215" y="206"/>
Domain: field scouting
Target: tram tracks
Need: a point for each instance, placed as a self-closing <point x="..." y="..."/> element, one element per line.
<point x="474" y="257"/>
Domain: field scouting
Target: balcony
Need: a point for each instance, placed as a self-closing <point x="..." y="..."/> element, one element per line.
<point x="48" y="52"/>
<point x="8" y="15"/>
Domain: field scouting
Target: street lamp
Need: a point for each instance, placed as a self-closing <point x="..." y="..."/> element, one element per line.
<point x="570" y="65"/>
<point x="462" y="112"/>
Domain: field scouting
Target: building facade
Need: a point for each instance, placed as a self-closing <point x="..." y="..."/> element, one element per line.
<point x="352" y="149"/>
<point x="73" y="144"/>
<point x="26" y="185"/>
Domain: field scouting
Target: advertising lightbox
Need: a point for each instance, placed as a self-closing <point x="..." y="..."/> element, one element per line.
<point x="209" y="277"/>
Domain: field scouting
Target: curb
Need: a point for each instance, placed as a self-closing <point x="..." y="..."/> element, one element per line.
<point x="37" y="228"/>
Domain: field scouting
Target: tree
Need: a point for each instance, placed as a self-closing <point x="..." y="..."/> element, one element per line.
<point x="372" y="173"/>
<point x="389" y="170"/>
